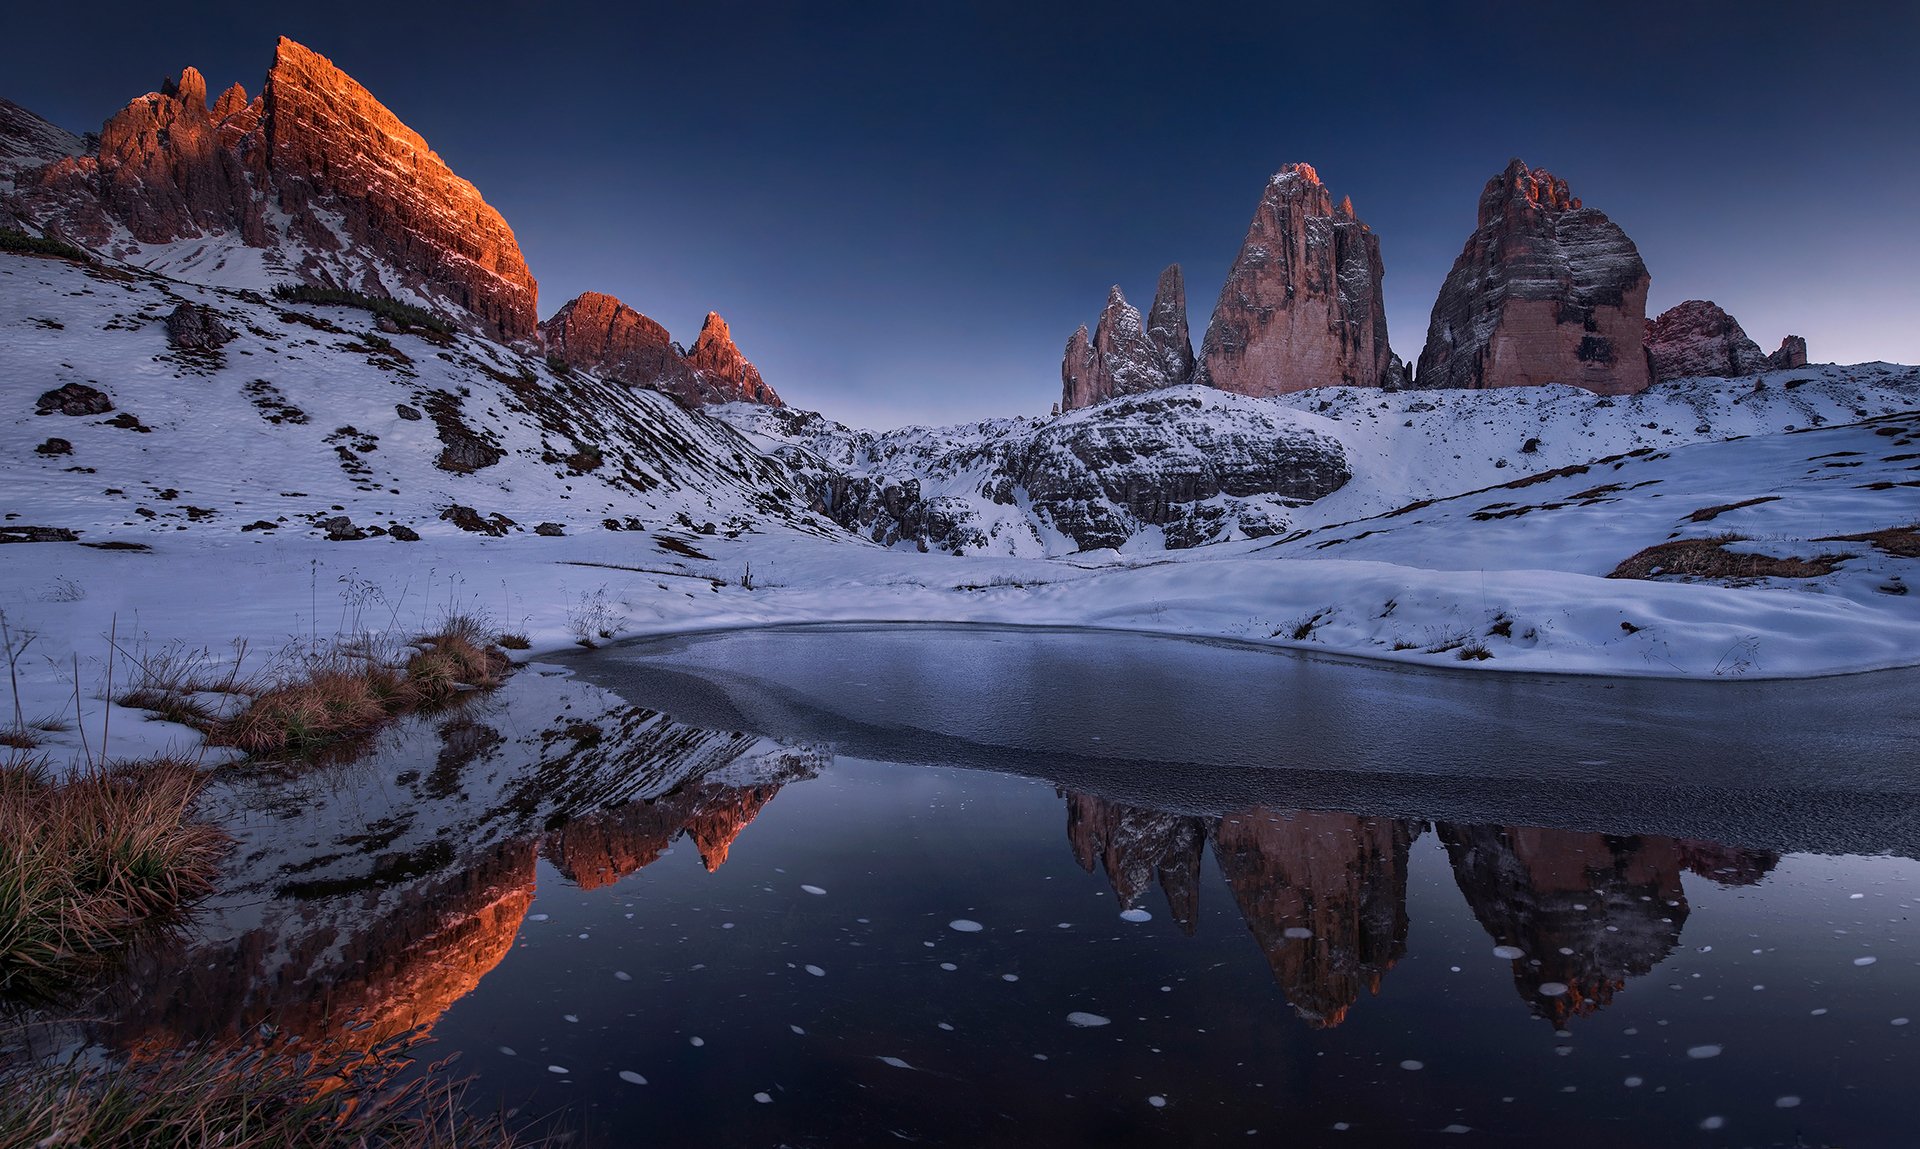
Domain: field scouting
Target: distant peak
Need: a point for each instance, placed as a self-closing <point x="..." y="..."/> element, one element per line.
<point x="1538" y="186"/>
<point x="1302" y="172"/>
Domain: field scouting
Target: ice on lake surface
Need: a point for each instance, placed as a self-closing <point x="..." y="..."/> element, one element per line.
<point x="1377" y="905"/>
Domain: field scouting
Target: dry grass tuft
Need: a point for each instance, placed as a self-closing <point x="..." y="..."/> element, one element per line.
<point x="1900" y="542"/>
<point x="88" y="864"/>
<point x="247" y="1098"/>
<point x="1709" y="558"/>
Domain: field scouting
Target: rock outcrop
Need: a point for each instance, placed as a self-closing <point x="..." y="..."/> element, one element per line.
<point x="605" y="336"/>
<point x="1129" y="353"/>
<point x="315" y="171"/>
<point x="1792" y="353"/>
<point x="1698" y="338"/>
<point x="1135" y="846"/>
<point x="1302" y="306"/>
<point x="1546" y="290"/>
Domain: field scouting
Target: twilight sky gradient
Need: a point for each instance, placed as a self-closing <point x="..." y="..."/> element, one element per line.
<point x="904" y="209"/>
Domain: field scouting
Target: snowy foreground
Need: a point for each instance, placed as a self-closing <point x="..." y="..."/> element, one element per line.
<point x="246" y="474"/>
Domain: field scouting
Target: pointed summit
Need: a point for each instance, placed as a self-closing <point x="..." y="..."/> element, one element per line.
<point x="1302" y="306"/>
<point x="1167" y="328"/>
<point x="722" y="370"/>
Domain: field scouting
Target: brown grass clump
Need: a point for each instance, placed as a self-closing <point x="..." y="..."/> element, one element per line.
<point x="1709" y="558"/>
<point x="1900" y="542"/>
<point x="246" y="1098"/>
<point x="1708" y="514"/>
<point x="88" y="864"/>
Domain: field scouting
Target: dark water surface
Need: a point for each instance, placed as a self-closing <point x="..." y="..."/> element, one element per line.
<point x="960" y="886"/>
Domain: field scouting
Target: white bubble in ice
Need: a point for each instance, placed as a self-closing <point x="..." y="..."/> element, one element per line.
<point x="1635" y="1082"/>
<point x="813" y="889"/>
<point x="1701" y="1052"/>
<point x="558" y="1069"/>
<point x="1821" y="1012"/>
<point x="1342" y="1126"/>
<point x="1787" y="1102"/>
<point x="798" y="1030"/>
<point x="508" y="1050"/>
<point x="1865" y="960"/>
<point x="1901" y="1020"/>
<point x="1157" y="1101"/>
<point x="623" y="975"/>
<point x="1509" y="952"/>
<point x="696" y="1042"/>
<point x="1855" y="897"/>
<point x="1135" y="916"/>
<point x="571" y="1017"/>
<point x="1296" y="932"/>
<point x="1457" y="1129"/>
<point x="1086" y="1020"/>
<point x="537" y="917"/>
<point x="1713" y="1123"/>
<point x="965" y="926"/>
<point x="1553" y="989"/>
<point x="1411" y="1064"/>
<point x="632" y="1078"/>
<point x="946" y="1026"/>
<point x="896" y="1063"/>
<point x="948" y="966"/>
<point x="1009" y="977"/>
<point x="816" y="971"/>
<point x="763" y="1098"/>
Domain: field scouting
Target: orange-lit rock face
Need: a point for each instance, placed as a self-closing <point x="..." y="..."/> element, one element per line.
<point x="380" y="963"/>
<point x="1302" y="306"/>
<point x="1589" y="911"/>
<point x="1135" y="846"/>
<point x="722" y="369"/>
<point x="605" y="336"/>
<point x="600" y="849"/>
<point x="364" y="199"/>
<point x="1325" y="895"/>
<point x="1546" y="290"/>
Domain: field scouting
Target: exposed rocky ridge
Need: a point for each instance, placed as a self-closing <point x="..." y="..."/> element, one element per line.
<point x="604" y="335"/>
<point x="27" y="143"/>
<point x="1698" y="338"/>
<point x="1197" y="464"/>
<point x="1134" y="846"/>
<point x="315" y="175"/>
<point x="1128" y="353"/>
<point x="1792" y="353"/>
<point x="1546" y="290"/>
<point x="1302" y="305"/>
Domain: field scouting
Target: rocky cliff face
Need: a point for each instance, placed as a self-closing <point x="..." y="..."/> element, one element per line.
<point x="27" y="143"/>
<point x="612" y="340"/>
<point x="1325" y="895"/>
<point x="1199" y="465"/>
<point x="1128" y="353"/>
<point x="1792" y="353"/>
<point x="1698" y="338"/>
<point x="1302" y="305"/>
<point x="1546" y="290"/>
<point x="316" y="174"/>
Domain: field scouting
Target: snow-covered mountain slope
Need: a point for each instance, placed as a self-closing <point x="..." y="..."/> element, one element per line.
<point x="312" y="421"/>
<point x="1192" y="465"/>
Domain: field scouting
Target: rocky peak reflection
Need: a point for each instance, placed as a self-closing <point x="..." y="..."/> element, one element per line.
<point x="1325" y="894"/>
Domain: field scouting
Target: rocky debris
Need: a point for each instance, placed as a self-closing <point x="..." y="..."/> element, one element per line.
<point x="1697" y="338"/>
<point x="314" y="168"/>
<point x="192" y="327"/>
<point x="463" y="449"/>
<point x="1792" y="353"/>
<point x="604" y="335"/>
<point x="411" y="414"/>
<point x="1325" y="896"/>
<point x="340" y="529"/>
<point x="551" y="530"/>
<point x="468" y="519"/>
<point x="25" y="534"/>
<point x="73" y="399"/>
<point x="400" y="532"/>
<point x="1302" y="306"/>
<point x="1130" y="354"/>
<point x="1546" y="290"/>
<point x="722" y="372"/>
<point x="55" y="446"/>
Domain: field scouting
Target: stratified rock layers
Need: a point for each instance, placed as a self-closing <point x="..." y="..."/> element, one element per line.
<point x="1698" y="338"/>
<point x="1302" y="305"/>
<point x="1545" y="291"/>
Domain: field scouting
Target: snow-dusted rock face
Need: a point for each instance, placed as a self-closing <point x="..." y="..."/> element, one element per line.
<point x="280" y="418"/>
<point x="1698" y="338"/>
<point x="1130" y="354"/>
<point x="1198" y="465"/>
<point x="1302" y="305"/>
<point x="605" y="336"/>
<point x="27" y="143"/>
<point x="316" y="175"/>
<point x="1546" y="290"/>
<point x="1136" y="845"/>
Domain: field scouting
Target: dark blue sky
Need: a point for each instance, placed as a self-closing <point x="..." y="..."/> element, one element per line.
<point x="904" y="209"/>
